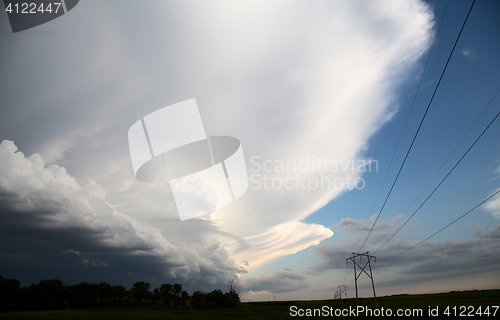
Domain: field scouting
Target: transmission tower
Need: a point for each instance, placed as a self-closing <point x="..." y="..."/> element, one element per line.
<point x="341" y="291"/>
<point x="362" y="269"/>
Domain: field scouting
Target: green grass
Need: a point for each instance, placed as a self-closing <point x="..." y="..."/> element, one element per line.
<point x="272" y="310"/>
<point x="246" y="311"/>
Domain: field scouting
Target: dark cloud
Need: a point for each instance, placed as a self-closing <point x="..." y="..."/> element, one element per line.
<point x="426" y="262"/>
<point x="353" y="226"/>
<point x="281" y="281"/>
<point x="51" y="226"/>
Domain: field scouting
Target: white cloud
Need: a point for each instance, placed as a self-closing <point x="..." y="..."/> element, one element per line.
<point x="309" y="79"/>
<point x="78" y="253"/>
<point x="290" y="79"/>
<point x="469" y="53"/>
<point x="493" y="205"/>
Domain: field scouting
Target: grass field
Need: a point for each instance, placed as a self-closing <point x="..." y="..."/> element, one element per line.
<point x="281" y="310"/>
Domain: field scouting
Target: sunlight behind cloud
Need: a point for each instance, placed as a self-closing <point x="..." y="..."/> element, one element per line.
<point x="292" y="80"/>
<point x="319" y="80"/>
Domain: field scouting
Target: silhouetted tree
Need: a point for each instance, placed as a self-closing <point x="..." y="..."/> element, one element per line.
<point x="214" y="299"/>
<point x="84" y="294"/>
<point x="118" y="292"/>
<point x="141" y="290"/>
<point x="130" y="295"/>
<point x="177" y="291"/>
<point x="157" y="296"/>
<point x="27" y="298"/>
<point x="198" y="299"/>
<point x="232" y="300"/>
<point x="232" y="296"/>
<point x="184" y="298"/>
<point x="166" y="290"/>
<point x="51" y="293"/>
<point x="9" y="292"/>
<point x="104" y="292"/>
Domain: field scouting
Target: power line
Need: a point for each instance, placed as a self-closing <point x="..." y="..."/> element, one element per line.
<point x="329" y="293"/>
<point x="420" y="125"/>
<point x="449" y="156"/>
<point x="481" y="203"/>
<point x="440" y="183"/>
<point x="343" y="281"/>
<point x="345" y="273"/>
<point x="409" y="112"/>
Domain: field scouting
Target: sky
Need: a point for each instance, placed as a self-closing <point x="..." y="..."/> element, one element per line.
<point x="324" y="95"/>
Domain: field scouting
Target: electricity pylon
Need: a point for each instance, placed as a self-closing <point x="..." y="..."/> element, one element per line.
<point x="341" y="290"/>
<point x="362" y="269"/>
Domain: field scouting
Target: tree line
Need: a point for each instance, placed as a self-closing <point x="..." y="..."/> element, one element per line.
<point x="53" y="294"/>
